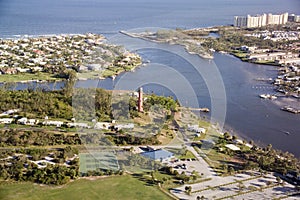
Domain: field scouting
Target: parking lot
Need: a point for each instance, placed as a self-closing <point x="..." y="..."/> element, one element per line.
<point x="239" y="186"/>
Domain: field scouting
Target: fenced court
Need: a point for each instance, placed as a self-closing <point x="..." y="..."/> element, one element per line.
<point x="103" y="160"/>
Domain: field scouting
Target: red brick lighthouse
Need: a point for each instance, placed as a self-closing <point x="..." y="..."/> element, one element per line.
<point x="140" y="100"/>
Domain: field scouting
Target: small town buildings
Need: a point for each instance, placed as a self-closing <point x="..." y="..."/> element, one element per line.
<point x="6" y="120"/>
<point x="53" y="123"/>
<point x="124" y="126"/>
<point x="232" y="147"/>
<point x="79" y="125"/>
<point x="23" y="120"/>
<point x="272" y="56"/>
<point x="196" y="128"/>
<point x="26" y="121"/>
<point x="294" y="18"/>
<point x="9" y="112"/>
<point x="102" y="125"/>
<point x="288" y="61"/>
<point x="32" y="122"/>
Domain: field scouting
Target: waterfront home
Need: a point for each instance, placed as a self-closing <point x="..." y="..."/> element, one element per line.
<point x="8" y="70"/>
<point x="232" y="147"/>
<point x="23" y="70"/>
<point x="288" y="61"/>
<point x="278" y="81"/>
<point x="36" y="69"/>
<point x="272" y="56"/>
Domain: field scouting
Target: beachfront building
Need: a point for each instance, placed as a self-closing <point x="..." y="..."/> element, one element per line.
<point x="161" y="155"/>
<point x="260" y="20"/>
<point x="294" y="18"/>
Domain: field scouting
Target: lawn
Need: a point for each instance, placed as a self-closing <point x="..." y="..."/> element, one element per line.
<point x="119" y="187"/>
<point x="27" y="76"/>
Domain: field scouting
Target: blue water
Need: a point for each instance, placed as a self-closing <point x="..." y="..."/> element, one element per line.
<point x="246" y="114"/>
<point x="19" y="17"/>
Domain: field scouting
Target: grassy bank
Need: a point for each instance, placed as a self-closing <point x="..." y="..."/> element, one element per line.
<point x="119" y="187"/>
<point x="28" y="77"/>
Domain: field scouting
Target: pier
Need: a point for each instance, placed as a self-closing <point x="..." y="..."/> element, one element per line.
<point x="196" y="109"/>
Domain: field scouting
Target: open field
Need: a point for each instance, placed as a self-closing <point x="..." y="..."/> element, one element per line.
<point x="119" y="187"/>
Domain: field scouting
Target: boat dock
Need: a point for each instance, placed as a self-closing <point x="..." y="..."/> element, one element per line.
<point x="291" y="109"/>
<point x="197" y="109"/>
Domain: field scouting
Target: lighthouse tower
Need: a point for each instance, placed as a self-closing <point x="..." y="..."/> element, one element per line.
<point x="140" y="100"/>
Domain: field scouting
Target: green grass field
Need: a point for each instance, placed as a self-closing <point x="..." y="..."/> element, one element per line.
<point x="27" y="76"/>
<point x="119" y="187"/>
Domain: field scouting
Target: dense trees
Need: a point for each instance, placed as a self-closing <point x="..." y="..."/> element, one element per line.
<point x="166" y="102"/>
<point x="51" y="174"/>
<point x="39" y="103"/>
<point x="267" y="158"/>
<point x="16" y="137"/>
<point x="128" y="139"/>
<point x="20" y="166"/>
<point x="36" y="103"/>
<point x="83" y="104"/>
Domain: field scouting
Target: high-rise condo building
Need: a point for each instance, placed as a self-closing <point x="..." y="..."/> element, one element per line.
<point x="260" y="20"/>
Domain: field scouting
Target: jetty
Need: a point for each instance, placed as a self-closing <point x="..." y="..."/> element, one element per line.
<point x="196" y="109"/>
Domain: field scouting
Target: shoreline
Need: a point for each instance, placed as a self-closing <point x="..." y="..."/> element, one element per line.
<point x="133" y="35"/>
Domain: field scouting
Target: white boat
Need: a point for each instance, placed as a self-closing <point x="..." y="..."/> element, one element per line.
<point x="264" y="96"/>
<point x="267" y="96"/>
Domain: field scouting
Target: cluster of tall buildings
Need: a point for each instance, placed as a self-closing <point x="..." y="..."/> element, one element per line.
<point x="294" y="18"/>
<point x="260" y="20"/>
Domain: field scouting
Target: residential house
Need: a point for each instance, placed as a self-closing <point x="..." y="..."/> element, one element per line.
<point x="196" y="128"/>
<point x="23" y="120"/>
<point x="102" y="125"/>
<point x="6" y="120"/>
<point x="124" y="126"/>
<point x="53" y="123"/>
<point x="80" y="125"/>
